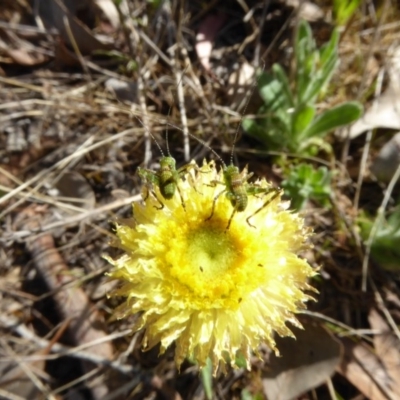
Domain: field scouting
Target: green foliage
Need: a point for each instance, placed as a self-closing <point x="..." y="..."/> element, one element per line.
<point x="206" y="379"/>
<point x="240" y="360"/>
<point x="385" y="246"/>
<point x="306" y="183"/>
<point x="343" y="10"/>
<point x="288" y="120"/>
<point x="246" y="395"/>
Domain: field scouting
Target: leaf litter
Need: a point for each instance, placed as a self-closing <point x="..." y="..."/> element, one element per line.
<point x="59" y="119"/>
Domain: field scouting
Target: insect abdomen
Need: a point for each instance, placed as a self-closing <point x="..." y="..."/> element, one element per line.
<point x="167" y="184"/>
<point x="167" y="177"/>
<point x="240" y="199"/>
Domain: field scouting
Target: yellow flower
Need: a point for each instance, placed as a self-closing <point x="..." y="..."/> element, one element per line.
<point x="213" y="291"/>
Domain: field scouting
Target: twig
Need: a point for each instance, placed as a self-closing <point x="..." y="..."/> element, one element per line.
<point x="182" y="111"/>
<point x="75" y="46"/>
<point x="386" y="312"/>
<point x="60" y="350"/>
<point x="71" y="221"/>
<point x="382" y="18"/>
<point x="77" y="154"/>
<point x="366" y="148"/>
<point x="175" y="42"/>
<point x="73" y="303"/>
<point x="145" y="121"/>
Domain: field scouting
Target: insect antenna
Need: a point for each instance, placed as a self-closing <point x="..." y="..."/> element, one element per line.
<point x="153" y="137"/>
<point x="201" y="141"/>
<point x="208" y="147"/>
<point x="158" y="145"/>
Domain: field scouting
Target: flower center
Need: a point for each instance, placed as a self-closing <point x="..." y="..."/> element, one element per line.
<point x="212" y="250"/>
<point x="209" y="270"/>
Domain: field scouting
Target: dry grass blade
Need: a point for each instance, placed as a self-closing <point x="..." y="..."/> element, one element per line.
<point x="58" y="120"/>
<point x="72" y="303"/>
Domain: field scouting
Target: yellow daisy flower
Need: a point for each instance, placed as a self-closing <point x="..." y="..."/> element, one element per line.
<point x="213" y="291"/>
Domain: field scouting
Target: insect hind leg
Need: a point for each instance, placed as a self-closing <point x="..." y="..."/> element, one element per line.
<point x="146" y="195"/>
<point x="159" y="201"/>
<point x="276" y="193"/>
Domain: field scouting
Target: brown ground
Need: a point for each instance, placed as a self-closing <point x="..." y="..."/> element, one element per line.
<point x="65" y="134"/>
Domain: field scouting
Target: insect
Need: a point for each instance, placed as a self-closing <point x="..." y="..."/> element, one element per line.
<point x="238" y="189"/>
<point x="237" y="186"/>
<point x="166" y="178"/>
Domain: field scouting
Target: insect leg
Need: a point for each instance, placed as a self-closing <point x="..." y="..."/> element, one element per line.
<point x="213" y="206"/>
<point x="150" y="180"/>
<point x="230" y="219"/>
<point x="161" y="203"/>
<point x="180" y="195"/>
<point x="276" y="193"/>
<point x="147" y="194"/>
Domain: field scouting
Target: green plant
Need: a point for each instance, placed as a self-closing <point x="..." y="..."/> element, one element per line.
<point x="385" y="240"/>
<point x="288" y="120"/>
<point x="343" y="10"/>
<point x="207" y="379"/>
<point x="246" y="395"/>
<point x="306" y="183"/>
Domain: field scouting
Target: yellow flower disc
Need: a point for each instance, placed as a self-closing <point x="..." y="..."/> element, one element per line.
<point x="214" y="291"/>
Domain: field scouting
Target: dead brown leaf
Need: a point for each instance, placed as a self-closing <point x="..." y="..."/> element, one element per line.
<point x="75" y="187"/>
<point x="56" y="15"/>
<point x="364" y="370"/>
<point x="387" y="348"/>
<point x="305" y="362"/>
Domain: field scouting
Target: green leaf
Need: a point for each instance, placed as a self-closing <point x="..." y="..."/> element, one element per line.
<point x="287" y="119"/>
<point x="329" y="49"/>
<point x="304" y="182"/>
<point x="319" y="80"/>
<point x="328" y="62"/>
<point x="273" y="137"/>
<point x="344" y="9"/>
<point x="341" y="115"/>
<point x="252" y="128"/>
<point x="271" y="91"/>
<point x="240" y="360"/>
<point x="305" y="56"/>
<point x="321" y="66"/>
<point x="246" y="395"/>
<point x="283" y="79"/>
<point x="206" y="379"/>
<point x="304" y="44"/>
<point x="301" y="119"/>
<point x="311" y="146"/>
<point x="385" y="247"/>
